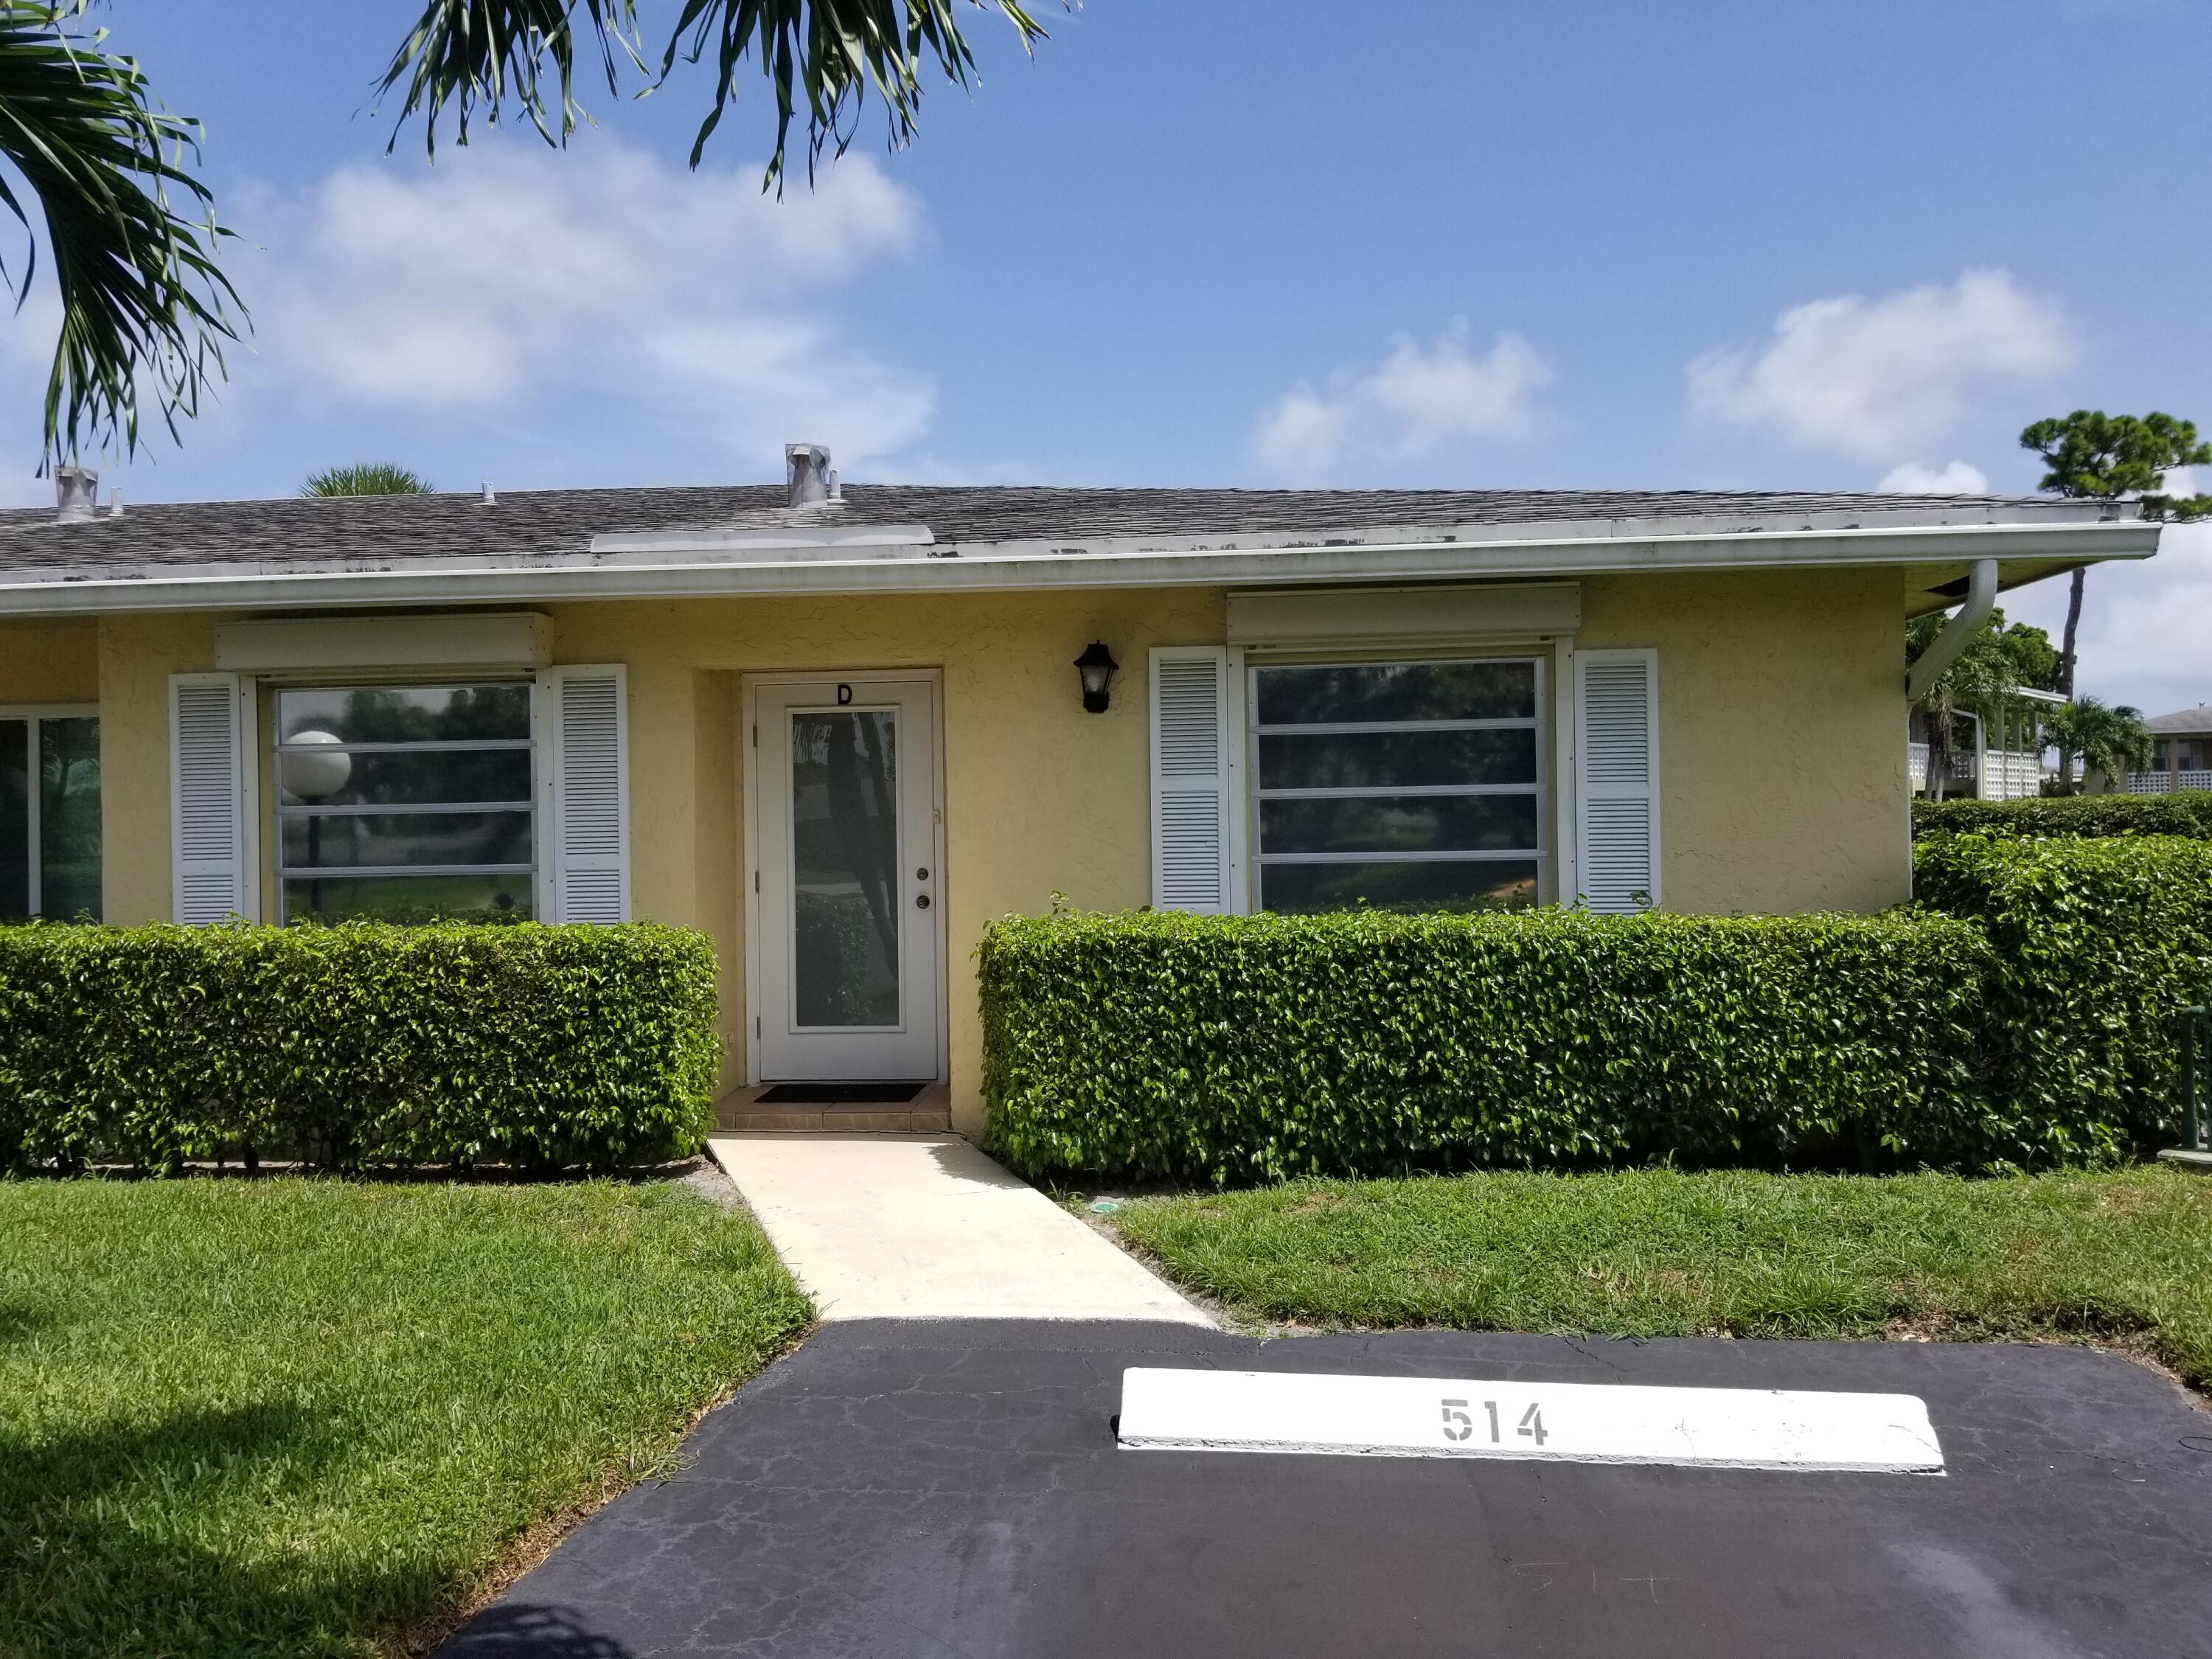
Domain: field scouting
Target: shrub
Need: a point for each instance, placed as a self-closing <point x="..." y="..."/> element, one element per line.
<point x="2185" y="812"/>
<point x="362" y="1044"/>
<point x="2097" y="943"/>
<point x="1256" y="1048"/>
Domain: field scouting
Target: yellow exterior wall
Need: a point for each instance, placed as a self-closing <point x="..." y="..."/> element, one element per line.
<point x="56" y="661"/>
<point x="138" y="655"/>
<point x="1782" y="743"/>
<point x="1781" y="734"/>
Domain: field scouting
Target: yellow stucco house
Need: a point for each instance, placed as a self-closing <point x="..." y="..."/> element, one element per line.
<point x="839" y="730"/>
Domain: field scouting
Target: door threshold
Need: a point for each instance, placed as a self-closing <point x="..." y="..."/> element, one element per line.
<point x="744" y="1111"/>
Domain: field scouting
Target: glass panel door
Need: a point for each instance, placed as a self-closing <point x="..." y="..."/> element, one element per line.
<point x="841" y="837"/>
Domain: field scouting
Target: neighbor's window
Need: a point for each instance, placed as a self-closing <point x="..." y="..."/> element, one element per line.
<point x="405" y="803"/>
<point x="49" y="814"/>
<point x="1408" y="786"/>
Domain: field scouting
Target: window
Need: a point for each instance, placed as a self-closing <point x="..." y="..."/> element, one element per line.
<point x="49" y="814"/>
<point x="405" y="803"/>
<point x="1411" y="786"/>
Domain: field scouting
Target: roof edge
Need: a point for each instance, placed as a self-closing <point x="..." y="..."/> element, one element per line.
<point x="813" y="569"/>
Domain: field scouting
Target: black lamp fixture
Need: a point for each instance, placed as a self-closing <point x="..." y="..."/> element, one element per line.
<point x="1097" y="667"/>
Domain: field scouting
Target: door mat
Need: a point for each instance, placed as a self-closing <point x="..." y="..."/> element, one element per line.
<point x="840" y="1094"/>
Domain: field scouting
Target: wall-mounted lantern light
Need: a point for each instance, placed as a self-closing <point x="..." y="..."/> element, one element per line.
<point x="1097" y="667"/>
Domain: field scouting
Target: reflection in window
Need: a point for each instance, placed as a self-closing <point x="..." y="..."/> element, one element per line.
<point x="1416" y="786"/>
<point x="406" y="803"/>
<point x="844" y="827"/>
<point x="50" y="862"/>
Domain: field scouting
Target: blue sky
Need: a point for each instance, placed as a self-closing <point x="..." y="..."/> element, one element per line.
<point x="1608" y="243"/>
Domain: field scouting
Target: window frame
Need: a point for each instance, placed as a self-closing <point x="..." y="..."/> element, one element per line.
<point x="34" y="713"/>
<point x="274" y="688"/>
<point x="1541" y="659"/>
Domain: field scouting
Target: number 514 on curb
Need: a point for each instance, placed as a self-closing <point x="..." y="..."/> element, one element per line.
<point x="1458" y="1426"/>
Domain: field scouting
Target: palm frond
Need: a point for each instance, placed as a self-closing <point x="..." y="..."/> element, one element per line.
<point x="477" y="57"/>
<point x="140" y="294"/>
<point x="368" y="478"/>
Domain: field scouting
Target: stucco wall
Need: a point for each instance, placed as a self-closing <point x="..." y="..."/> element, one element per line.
<point x="1781" y="734"/>
<point x="1782" y="746"/>
<point x="56" y="661"/>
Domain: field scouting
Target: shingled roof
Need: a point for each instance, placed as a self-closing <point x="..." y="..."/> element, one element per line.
<point x="380" y="531"/>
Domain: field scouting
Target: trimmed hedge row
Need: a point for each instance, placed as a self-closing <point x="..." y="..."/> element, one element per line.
<point x="2095" y="943"/>
<point x="1258" y="1047"/>
<point x="2184" y="813"/>
<point x="364" y="1044"/>
<point x="2030" y="1026"/>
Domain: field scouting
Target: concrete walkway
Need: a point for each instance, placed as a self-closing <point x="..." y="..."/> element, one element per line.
<point x="926" y="1227"/>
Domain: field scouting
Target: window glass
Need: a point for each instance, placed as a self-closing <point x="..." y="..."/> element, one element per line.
<point x="1382" y="886"/>
<point x="68" y="818"/>
<point x="845" y="891"/>
<point x="15" y="820"/>
<point x="1368" y="760"/>
<point x="1415" y="785"/>
<point x="1397" y="691"/>
<point x="405" y="803"/>
<point x="49" y="817"/>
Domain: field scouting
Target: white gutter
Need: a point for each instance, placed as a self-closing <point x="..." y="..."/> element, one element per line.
<point x="904" y="566"/>
<point x="1972" y="616"/>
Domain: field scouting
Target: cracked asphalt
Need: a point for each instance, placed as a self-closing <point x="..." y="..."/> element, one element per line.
<point x="952" y="1487"/>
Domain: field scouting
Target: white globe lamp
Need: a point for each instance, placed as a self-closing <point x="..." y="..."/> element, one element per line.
<point x="318" y="772"/>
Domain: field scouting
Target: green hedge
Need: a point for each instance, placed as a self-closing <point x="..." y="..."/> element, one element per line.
<point x="1256" y="1047"/>
<point x="2185" y="812"/>
<point x="2096" y="943"/>
<point x="359" y="1045"/>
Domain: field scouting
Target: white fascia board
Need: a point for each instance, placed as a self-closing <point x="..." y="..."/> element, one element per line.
<point x="974" y="567"/>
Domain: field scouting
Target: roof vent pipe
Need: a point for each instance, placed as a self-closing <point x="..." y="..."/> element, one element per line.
<point x="75" y="489"/>
<point x="1972" y="617"/>
<point x="807" y="479"/>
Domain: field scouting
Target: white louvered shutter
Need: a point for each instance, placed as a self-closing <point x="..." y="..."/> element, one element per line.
<point x="1192" y="814"/>
<point x="587" y="755"/>
<point x="1617" y="778"/>
<point x="209" y="797"/>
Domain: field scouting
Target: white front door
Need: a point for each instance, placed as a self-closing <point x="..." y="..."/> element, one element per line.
<point x="843" y="813"/>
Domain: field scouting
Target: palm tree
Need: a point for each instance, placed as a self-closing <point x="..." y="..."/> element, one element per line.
<point x="1995" y="663"/>
<point x="2110" y="739"/>
<point x="368" y="478"/>
<point x="131" y="233"/>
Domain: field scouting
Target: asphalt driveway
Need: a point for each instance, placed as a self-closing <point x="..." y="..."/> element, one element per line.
<point x="953" y="1488"/>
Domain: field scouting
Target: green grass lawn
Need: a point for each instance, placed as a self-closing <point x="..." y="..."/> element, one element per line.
<point x="309" y="1417"/>
<point x="2123" y="1256"/>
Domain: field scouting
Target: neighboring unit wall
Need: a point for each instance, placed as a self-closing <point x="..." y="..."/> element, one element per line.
<point x="1781" y="733"/>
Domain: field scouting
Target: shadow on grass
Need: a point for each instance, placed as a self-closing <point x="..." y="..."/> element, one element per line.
<point x="521" y="1630"/>
<point x="106" y="1544"/>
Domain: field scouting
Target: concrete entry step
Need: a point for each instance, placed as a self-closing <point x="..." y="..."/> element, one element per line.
<point x="742" y="1112"/>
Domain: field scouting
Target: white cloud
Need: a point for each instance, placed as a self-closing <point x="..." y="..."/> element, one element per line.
<point x="1418" y="404"/>
<point x="1914" y="479"/>
<point x="2143" y="620"/>
<point x="1878" y="378"/>
<point x="507" y="277"/>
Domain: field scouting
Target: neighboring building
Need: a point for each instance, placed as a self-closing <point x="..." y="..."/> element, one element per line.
<point x="840" y="735"/>
<point x="2181" y="753"/>
<point x="1997" y="759"/>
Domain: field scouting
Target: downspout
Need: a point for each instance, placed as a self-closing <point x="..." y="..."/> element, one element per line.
<point x="1972" y="617"/>
<point x="1942" y="652"/>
